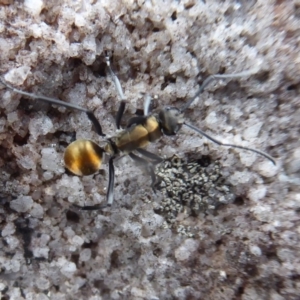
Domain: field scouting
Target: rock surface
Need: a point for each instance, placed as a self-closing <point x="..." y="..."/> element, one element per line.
<point x="243" y="246"/>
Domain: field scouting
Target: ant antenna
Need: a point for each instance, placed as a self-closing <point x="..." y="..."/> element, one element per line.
<point x="210" y="79"/>
<point x="230" y="145"/>
<point x="89" y="113"/>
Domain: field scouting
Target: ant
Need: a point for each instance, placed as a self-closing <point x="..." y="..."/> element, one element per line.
<point x="84" y="157"/>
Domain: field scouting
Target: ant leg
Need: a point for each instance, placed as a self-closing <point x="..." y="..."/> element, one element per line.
<point x="120" y="114"/>
<point x="120" y="92"/>
<point x="147" y="103"/>
<point x="212" y="78"/>
<point x="157" y="159"/>
<point x="110" y="190"/>
<point x="90" y="207"/>
<point x="89" y="113"/>
<point x="111" y="182"/>
<point x="149" y="167"/>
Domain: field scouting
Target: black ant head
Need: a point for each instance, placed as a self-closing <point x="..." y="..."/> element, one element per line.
<point x="171" y="120"/>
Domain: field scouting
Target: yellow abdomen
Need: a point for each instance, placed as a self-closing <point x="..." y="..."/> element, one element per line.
<point x="139" y="136"/>
<point x="83" y="157"/>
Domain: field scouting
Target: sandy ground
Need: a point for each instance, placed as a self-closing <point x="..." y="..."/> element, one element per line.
<point x="243" y="242"/>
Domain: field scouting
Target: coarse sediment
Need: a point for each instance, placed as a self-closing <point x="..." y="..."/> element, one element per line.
<point x="244" y="248"/>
